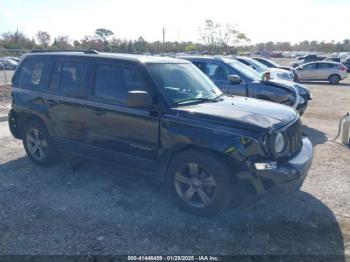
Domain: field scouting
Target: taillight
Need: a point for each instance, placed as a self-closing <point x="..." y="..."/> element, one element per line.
<point x="342" y="68"/>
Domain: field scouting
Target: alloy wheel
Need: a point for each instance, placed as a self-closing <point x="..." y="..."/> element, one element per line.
<point x="37" y="144"/>
<point x="195" y="185"/>
<point x="334" y="79"/>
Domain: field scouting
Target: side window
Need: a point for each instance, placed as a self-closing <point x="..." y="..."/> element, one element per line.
<point x="216" y="71"/>
<point x="113" y="82"/>
<point x="31" y="73"/>
<point x="323" y="66"/>
<point x="201" y="66"/>
<point x="72" y="76"/>
<point x="133" y="80"/>
<point x="310" y="66"/>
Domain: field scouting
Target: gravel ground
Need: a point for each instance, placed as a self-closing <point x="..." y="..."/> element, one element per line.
<point x="82" y="207"/>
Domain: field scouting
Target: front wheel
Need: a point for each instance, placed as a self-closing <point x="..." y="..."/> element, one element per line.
<point x="200" y="182"/>
<point x="334" y="79"/>
<point x="38" y="144"/>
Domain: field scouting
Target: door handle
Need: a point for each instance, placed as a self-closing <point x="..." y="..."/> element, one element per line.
<point x="100" y="112"/>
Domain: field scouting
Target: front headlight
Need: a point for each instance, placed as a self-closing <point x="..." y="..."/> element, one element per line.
<point x="279" y="143"/>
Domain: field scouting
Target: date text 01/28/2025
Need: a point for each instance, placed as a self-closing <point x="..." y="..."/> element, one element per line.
<point x="173" y="258"/>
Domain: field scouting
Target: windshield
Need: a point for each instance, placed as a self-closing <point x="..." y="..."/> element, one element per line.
<point x="259" y="66"/>
<point x="183" y="82"/>
<point x="271" y="62"/>
<point x="245" y="70"/>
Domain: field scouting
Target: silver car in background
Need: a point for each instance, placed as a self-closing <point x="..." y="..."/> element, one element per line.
<point x="322" y="71"/>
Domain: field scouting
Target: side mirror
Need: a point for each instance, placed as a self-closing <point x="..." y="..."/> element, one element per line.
<point x="139" y="99"/>
<point x="301" y="68"/>
<point x="266" y="76"/>
<point x="234" y="79"/>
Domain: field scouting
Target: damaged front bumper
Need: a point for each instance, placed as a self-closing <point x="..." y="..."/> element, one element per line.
<point x="282" y="177"/>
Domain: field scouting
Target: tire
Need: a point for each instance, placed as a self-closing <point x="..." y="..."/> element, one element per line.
<point x="38" y="144"/>
<point x="333" y="79"/>
<point x="200" y="182"/>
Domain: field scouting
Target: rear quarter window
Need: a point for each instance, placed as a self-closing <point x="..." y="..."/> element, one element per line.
<point x="31" y="73"/>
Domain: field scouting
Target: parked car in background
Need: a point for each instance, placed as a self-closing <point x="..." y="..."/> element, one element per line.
<point x="322" y="71"/>
<point x="343" y="55"/>
<point x="16" y="59"/>
<point x="273" y="64"/>
<point x="346" y="63"/>
<point x="8" y="64"/>
<point x="235" y="78"/>
<point x="161" y="116"/>
<point x="333" y="59"/>
<point x="306" y="59"/>
<point x="276" y="73"/>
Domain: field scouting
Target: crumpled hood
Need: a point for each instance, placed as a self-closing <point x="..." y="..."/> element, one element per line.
<point x="282" y="83"/>
<point x="240" y="112"/>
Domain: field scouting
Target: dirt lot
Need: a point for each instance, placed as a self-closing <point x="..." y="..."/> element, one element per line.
<point x="93" y="208"/>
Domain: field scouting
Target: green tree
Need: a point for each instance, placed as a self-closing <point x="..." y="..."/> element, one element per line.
<point x="103" y="33"/>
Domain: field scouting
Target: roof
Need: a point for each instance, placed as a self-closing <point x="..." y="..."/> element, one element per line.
<point x="197" y="57"/>
<point x="225" y="59"/>
<point x="323" y="62"/>
<point x="119" y="56"/>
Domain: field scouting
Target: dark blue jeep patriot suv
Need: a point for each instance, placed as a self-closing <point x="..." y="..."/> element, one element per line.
<point x="162" y="116"/>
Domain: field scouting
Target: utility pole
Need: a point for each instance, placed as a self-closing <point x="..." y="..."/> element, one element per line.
<point x="163" y="36"/>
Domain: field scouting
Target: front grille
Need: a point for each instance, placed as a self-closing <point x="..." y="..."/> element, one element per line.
<point x="294" y="138"/>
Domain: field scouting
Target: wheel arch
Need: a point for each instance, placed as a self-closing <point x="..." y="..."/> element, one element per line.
<point x="334" y="74"/>
<point x="26" y="117"/>
<point x="233" y="164"/>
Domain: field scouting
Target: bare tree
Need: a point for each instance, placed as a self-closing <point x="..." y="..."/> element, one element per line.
<point x="43" y="38"/>
<point x="62" y="42"/>
<point x="220" y="38"/>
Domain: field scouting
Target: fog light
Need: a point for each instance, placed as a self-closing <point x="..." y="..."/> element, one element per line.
<point x="265" y="166"/>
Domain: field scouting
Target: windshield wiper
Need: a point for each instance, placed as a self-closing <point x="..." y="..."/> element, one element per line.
<point x="219" y="97"/>
<point x="198" y="99"/>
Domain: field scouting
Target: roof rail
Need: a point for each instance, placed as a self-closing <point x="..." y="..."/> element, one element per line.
<point x="85" y="51"/>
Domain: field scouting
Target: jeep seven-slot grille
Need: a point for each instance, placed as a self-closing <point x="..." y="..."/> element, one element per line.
<point x="294" y="138"/>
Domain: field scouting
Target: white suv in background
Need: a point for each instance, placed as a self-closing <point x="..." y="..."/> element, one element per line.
<point x="322" y="71"/>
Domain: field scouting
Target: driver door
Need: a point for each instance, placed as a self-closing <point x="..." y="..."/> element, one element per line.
<point x="125" y="135"/>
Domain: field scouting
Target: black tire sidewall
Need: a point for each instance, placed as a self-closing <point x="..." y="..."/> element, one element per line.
<point x="216" y="167"/>
<point x="52" y="154"/>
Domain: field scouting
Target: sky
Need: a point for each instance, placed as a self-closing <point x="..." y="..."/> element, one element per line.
<point x="262" y="21"/>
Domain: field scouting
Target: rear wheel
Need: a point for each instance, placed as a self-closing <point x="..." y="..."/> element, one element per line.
<point x="334" y="79"/>
<point x="200" y="182"/>
<point x="38" y="144"/>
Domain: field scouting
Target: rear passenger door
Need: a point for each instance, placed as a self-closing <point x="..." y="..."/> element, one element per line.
<point x="323" y="71"/>
<point x="66" y="100"/>
<point x="120" y="134"/>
